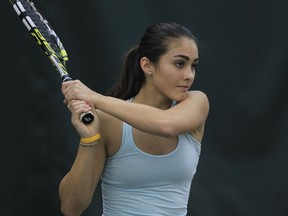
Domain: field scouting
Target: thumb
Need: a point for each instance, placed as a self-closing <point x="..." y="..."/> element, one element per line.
<point x="65" y="101"/>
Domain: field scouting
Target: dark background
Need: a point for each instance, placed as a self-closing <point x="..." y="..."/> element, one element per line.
<point x="243" y="70"/>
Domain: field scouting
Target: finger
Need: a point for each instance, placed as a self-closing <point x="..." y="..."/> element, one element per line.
<point x="67" y="86"/>
<point x="65" y="102"/>
<point x="68" y="93"/>
<point x="67" y="83"/>
<point x="82" y="107"/>
<point x="78" y="103"/>
<point x="78" y="107"/>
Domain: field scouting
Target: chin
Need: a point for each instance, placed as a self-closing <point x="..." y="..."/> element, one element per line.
<point x="180" y="97"/>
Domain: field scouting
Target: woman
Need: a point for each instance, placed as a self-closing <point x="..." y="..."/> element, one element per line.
<point x="151" y="127"/>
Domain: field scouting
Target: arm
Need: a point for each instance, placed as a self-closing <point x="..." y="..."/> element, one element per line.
<point x="77" y="187"/>
<point x="188" y="115"/>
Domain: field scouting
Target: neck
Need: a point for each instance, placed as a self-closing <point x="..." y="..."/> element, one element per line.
<point x="152" y="99"/>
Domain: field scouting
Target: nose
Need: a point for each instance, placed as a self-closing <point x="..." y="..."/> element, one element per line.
<point x="189" y="74"/>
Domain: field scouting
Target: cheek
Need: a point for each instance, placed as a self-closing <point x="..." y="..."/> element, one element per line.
<point x="164" y="81"/>
<point x="166" y="74"/>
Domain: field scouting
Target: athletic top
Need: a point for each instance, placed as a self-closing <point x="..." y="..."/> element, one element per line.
<point x="141" y="184"/>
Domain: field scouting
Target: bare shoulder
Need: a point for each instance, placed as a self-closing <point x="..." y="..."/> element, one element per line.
<point x="200" y="102"/>
<point x="108" y="123"/>
<point x="196" y="99"/>
<point x="111" y="131"/>
<point x="201" y="99"/>
<point x="198" y="95"/>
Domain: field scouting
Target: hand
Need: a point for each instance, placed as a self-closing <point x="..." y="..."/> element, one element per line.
<point x="76" y="90"/>
<point x="78" y="107"/>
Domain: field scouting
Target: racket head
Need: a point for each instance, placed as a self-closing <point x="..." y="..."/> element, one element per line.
<point x="40" y="29"/>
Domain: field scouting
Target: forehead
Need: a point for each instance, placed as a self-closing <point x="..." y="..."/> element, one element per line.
<point x="183" y="46"/>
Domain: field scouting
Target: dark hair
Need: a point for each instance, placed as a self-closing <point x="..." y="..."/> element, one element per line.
<point x="153" y="45"/>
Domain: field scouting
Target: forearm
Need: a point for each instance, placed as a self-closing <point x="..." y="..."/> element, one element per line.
<point x="143" y="117"/>
<point x="77" y="187"/>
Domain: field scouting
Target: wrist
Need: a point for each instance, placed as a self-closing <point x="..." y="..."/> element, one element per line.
<point x="90" y="141"/>
<point x="96" y="99"/>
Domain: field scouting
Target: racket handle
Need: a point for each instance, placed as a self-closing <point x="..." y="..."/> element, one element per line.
<point x="66" y="78"/>
<point x="86" y="118"/>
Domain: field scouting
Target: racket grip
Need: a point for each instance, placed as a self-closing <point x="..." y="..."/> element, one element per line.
<point x="87" y="118"/>
<point x="66" y="78"/>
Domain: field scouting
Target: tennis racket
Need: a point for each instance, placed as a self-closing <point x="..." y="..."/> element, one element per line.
<point x="46" y="37"/>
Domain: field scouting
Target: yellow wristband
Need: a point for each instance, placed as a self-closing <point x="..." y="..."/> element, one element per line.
<point x="90" y="139"/>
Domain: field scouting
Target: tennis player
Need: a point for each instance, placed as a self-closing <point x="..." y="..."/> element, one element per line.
<point x="144" y="143"/>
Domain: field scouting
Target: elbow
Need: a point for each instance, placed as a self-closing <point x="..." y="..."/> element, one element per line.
<point x="71" y="203"/>
<point x="66" y="211"/>
<point x="73" y="208"/>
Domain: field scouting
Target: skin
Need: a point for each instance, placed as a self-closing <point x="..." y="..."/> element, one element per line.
<point x="153" y="119"/>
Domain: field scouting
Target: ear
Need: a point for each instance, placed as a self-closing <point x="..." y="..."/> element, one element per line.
<point x="146" y="65"/>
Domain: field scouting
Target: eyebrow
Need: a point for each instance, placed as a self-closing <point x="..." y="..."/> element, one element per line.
<point x="186" y="57"/>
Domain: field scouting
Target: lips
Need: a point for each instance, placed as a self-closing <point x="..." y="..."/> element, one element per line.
<point x="186" y="87"/>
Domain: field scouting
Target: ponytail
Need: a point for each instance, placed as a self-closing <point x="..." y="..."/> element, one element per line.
<point x="131" y="78"/>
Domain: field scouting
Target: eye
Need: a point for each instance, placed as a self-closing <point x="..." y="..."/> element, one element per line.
<point x="180" y="64"/>
<point x="194" y="65"/>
